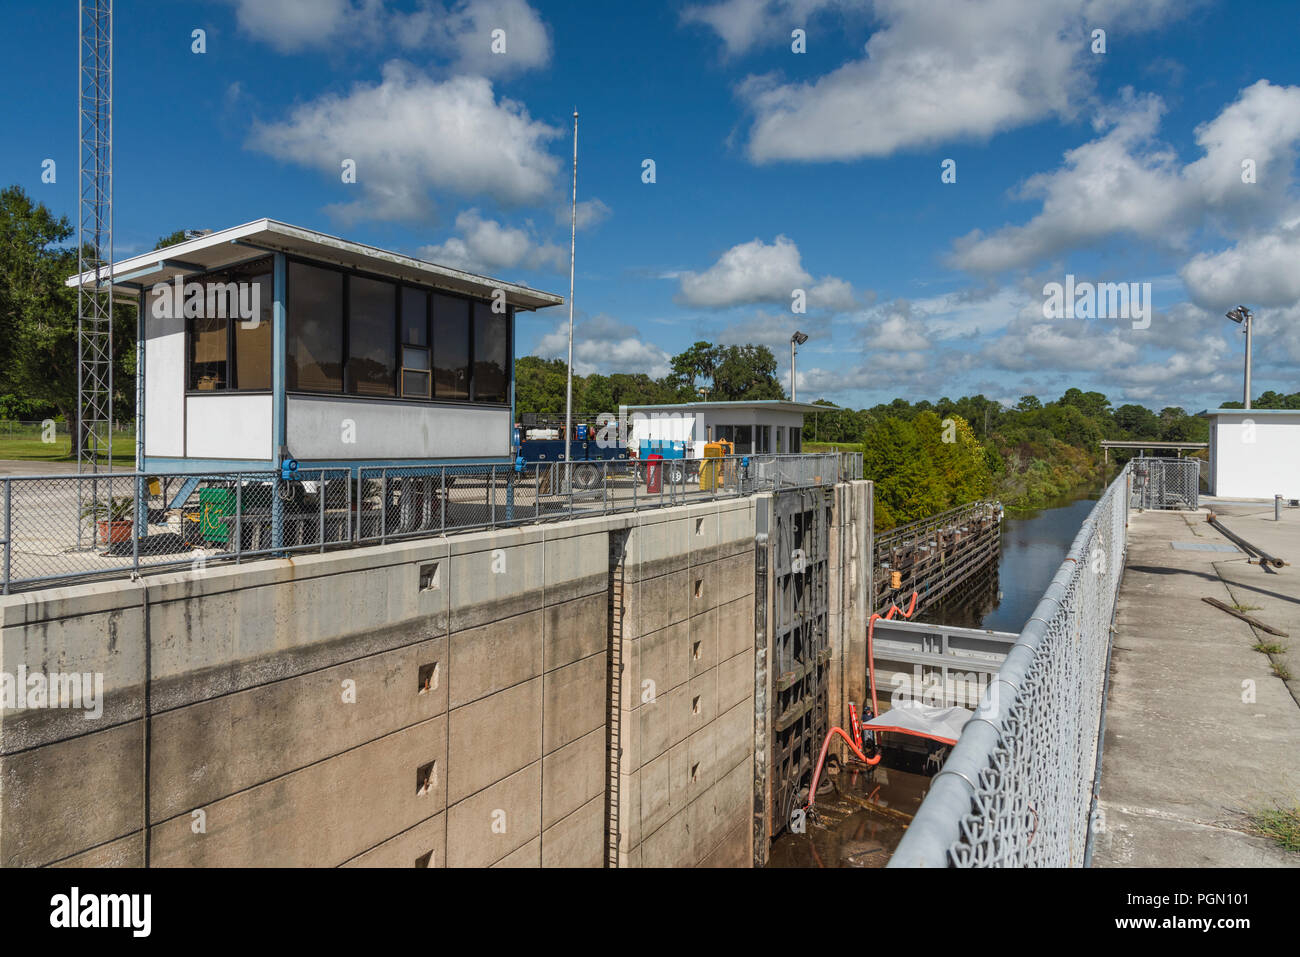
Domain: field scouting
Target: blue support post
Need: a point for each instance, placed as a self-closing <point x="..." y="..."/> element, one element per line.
<point x="141" y="513"/>
<point x="279" y="359"/>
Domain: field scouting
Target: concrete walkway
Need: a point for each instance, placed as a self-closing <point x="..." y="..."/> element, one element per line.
<point x="1199" y="729"/>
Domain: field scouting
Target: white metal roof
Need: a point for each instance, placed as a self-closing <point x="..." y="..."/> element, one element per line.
<point x="1253" y="412"/>
<point x="238" y="243"/>
<point x="774" y="405"/>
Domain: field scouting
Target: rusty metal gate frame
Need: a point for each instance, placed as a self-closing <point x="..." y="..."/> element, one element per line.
<point x="798" y="652"/>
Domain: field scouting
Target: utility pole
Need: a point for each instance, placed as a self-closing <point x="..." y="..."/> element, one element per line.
<point x="573" y="254"/>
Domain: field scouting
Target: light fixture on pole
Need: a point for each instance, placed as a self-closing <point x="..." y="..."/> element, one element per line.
<point x="797" y="339"/>
<point x="1243" y="315"/>
<point x="573" y="251"/>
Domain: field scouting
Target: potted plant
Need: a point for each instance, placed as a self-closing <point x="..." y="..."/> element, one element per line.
<point x="113" y="516"/>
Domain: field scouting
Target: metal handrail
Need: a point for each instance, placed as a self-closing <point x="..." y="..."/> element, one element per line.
<point x="42" y="541"/>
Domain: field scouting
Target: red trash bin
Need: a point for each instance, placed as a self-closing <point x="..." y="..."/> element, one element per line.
<point x="654" y="473"/>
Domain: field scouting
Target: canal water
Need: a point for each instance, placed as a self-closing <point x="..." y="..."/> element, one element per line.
<point x="1034" y="543"/>
<point x="861" y="821"/>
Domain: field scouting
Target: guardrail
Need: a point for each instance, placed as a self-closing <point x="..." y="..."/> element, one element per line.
<point x="935" y="555"/>
<point x="1017" y="788"/>
<point x="77" y="527"/>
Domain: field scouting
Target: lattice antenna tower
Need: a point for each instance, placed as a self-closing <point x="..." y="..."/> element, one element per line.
<point x="94" y="427"/>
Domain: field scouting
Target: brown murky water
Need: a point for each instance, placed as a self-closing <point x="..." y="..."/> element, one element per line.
<point x="859" y="824"/>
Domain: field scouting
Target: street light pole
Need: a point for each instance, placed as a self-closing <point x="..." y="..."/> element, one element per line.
<point x="1248" y="324"/>
<point x="573" y="251"/>
<point x="1243" y="316"/>
<point x="798" y="339"/>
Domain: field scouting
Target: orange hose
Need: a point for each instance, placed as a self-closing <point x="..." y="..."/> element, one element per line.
<point x="812" y="791"/>
<point x="871" y="670"/>
<point x="871" y="658"/>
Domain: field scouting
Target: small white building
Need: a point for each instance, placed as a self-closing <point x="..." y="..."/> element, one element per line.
<point x="267" y="342"/>
<point x="1255" y="453"/>
<point x="765" y="426"/>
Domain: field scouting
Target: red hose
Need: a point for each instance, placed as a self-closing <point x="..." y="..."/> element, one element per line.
<point x="812" y="791"/>
<point x="871" y="670"/>
<point x="871" y="659"/>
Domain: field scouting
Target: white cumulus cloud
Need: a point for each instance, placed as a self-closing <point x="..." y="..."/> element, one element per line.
<point x="935" y="72"/>
<point x="463" y="34"/>
<point x="485" y="245"/>
<point x="758" y="272"/>
<point x="1127" y="182"/>
<point x="411" y="136"/>
<point x="603" y="344"/>
<point x="1263" y="270"/>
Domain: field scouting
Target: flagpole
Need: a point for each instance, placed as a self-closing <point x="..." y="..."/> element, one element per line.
<point x="573" y="251"/>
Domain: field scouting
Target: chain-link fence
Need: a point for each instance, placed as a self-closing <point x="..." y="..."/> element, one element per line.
<point x="62" y="528"/>
<point x="412" y="501"/>
<point x="59" y="528"/>
<point x="1017" y="788"/>
<point x="1165" y="483"/>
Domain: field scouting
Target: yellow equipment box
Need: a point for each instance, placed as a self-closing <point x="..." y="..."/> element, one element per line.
<point x="711" y="472"/>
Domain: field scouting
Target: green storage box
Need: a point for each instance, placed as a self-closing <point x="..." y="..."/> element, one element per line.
<point x="215" y="506"/>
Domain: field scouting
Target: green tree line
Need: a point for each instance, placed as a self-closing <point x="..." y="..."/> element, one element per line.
<point x="924" y="456"/>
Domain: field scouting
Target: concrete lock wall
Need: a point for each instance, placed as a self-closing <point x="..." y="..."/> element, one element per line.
<point x="291" y="725"/>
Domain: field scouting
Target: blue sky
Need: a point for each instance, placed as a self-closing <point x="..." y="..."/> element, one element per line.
<point x="774" y="170"/>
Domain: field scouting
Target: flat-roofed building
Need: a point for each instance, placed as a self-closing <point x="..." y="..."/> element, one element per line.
<point x="265" y="342"/>
<point x="762" y="426"/>
<point x="1255" y="453"/>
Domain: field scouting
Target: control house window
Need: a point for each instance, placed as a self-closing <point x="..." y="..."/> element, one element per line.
<point x="372" y="351"/>
<point x="451" y="331"/>
<point x="417" y="371"/>
<point x="230" y="341"/>
<point x="315" y="329"/>
<point x="347" y="334"/>
<point x="491" y="354"/>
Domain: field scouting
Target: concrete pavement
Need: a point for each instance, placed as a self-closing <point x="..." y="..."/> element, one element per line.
<point x="1199" y="729"/>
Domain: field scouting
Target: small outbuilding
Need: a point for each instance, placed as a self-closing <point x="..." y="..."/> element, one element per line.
<point x="764" y="426"/>
<point x="268" y="342"/>
<point x="1255" y="453"/>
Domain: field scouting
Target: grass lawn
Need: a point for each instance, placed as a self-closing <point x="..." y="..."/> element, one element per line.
<point x="31" y="448"/>
<point x="810" y="446"/>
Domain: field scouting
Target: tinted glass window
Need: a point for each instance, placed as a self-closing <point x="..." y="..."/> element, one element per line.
<point x="372" y="349"/>
<point x="741" y="436"/>
<point x="253" y="340"/>
<point x="415" y="319"/>
<point x="208" y="356"/>
<point x="315" y="333"/>
<point x="450" y="347"/>
<point x="491" y="342"/>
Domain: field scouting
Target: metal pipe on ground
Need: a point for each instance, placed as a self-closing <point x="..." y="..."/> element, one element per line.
<point x="1264" y="557"/>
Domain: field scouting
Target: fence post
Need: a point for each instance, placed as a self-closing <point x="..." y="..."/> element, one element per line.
<point x="277" y="514"/>
<point x="239" y="515"/>
<point x="320" y="500"/>
<point x="383" y="505"/>
<point x="492" y="495"/>
<point x="9" y="526"/>
<point x="136" y="519"/>
<point x="446" y="493"/>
